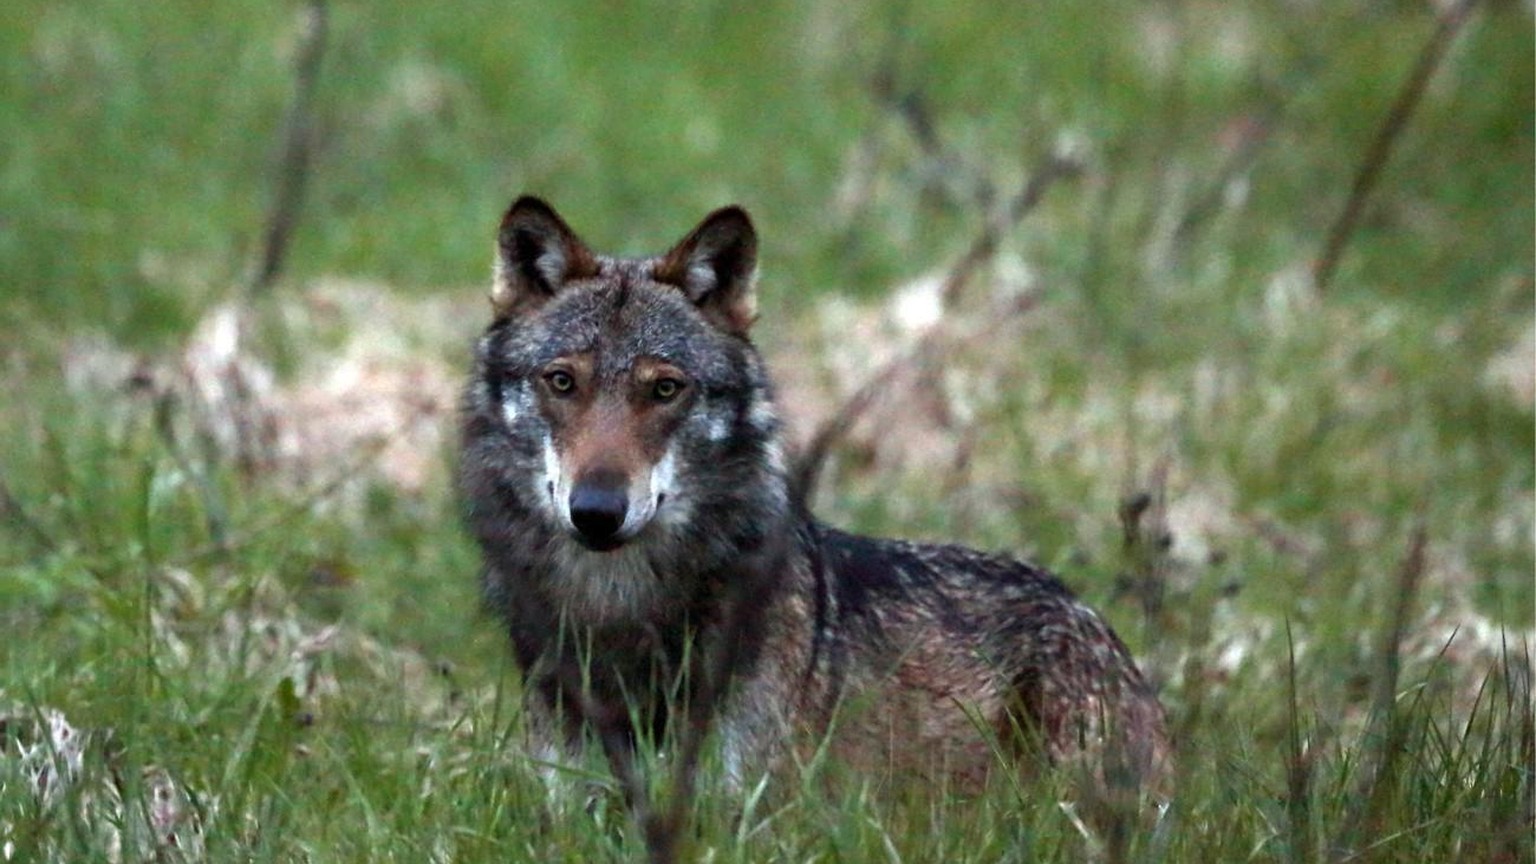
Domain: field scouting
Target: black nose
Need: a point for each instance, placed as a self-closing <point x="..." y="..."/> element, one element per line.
<point x="598" y="514"/>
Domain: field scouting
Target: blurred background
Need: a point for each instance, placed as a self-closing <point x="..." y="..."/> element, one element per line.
<point x="1094" y="256"/>
<point x="141" y="142"/>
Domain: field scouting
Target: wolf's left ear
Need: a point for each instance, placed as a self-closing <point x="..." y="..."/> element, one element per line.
<point x="716" y="266"/>
<point x="536" y="254"/>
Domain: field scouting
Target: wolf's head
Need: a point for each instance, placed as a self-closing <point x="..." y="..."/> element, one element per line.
<point x="618" y="409"/>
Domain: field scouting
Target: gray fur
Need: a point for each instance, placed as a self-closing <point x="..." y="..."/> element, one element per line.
<point x="907" y="646"/>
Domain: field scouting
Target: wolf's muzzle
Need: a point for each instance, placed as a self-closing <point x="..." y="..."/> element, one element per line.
<point x="597" y="511"/>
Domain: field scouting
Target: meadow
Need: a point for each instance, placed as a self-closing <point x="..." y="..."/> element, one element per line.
<point x="1081" y="251"/>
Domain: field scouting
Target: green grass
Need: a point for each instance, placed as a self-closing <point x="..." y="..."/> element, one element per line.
<point x="296" y="646"/>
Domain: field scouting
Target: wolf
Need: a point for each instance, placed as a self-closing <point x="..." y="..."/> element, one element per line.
<point x="623" y="469"/>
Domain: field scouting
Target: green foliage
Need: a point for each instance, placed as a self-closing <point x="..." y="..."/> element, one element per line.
<point x="298" y="650"/>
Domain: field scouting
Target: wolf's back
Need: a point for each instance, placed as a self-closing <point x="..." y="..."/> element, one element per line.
<point x="933" y="638"/>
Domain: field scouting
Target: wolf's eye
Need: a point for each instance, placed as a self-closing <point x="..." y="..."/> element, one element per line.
<point x="560" y="382"/>
<point x="666" y="389"/>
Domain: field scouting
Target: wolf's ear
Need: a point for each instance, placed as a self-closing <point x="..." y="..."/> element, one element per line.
<point x="536" y="254"/>
<point x="716" y="266"/>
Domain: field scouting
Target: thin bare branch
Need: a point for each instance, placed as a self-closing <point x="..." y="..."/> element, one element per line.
<point x="297" y="152"/>
<point x="1408" y="98"/>
<point x="1409" y="575"/>
<point x="1055" y="167"/>
<point x="16" y="515"/>
<point x="931" y="344"/>
<point x="837" y="424"/>
<point x="1253" y="132"/>
<point x="943" y="173"/>
<point x="1299" y="768"/>
<point x="1146" y="540"/>
<point x="1387" y="727"/>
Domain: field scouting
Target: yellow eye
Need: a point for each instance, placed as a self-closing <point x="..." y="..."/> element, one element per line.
<point x="560" y="382"/>
<point x="666" y="389"/>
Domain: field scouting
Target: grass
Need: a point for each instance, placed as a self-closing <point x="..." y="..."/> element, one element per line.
<point x="268" y="646"/>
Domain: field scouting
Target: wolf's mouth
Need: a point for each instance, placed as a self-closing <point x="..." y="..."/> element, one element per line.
<point x="606" y="544"/>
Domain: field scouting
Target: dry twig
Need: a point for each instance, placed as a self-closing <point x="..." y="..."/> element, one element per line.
<point x="1376" y="156"/>
<point x="297" y="152"/>
<point x="16" y="515"/>
<point x="1387" y="727"/>
<point x="837" y="424"/>
<point x="1299" y="768"/>
<point x="1253" y="133"/>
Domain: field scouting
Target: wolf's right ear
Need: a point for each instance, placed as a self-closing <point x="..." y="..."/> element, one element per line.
<point x="536" y="254"/>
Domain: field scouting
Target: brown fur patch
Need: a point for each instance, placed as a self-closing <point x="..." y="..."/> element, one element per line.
<point x="620" y="431"/>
